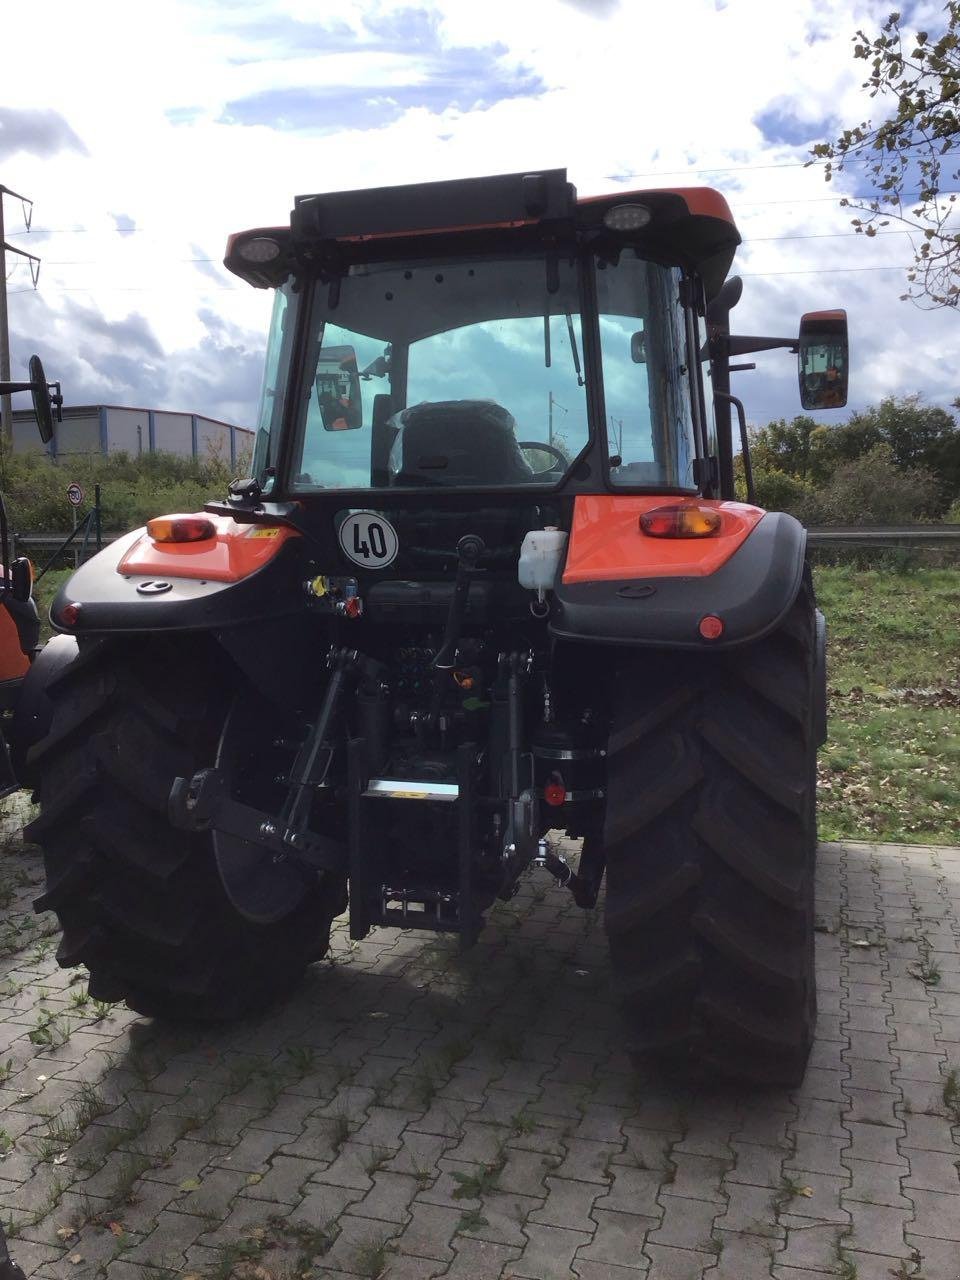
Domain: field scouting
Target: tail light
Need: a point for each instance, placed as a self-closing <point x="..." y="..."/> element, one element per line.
<point x="683" y="520"/>
<point x="181" y="529"/>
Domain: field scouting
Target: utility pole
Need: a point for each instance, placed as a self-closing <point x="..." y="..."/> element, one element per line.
<point x="551" y="405"/>
<point x="6" y="418"/>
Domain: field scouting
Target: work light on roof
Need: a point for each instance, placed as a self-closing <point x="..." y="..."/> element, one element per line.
<point x="626" y="217"/>
<point x="259" y="249"/>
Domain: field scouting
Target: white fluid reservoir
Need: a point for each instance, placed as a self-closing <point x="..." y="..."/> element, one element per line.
<point x="541" y="555"/>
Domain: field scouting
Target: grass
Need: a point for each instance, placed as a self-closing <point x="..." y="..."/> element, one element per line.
<point x="893" y="750"/>
<point x="370" y="1259"/>
<point x="951" y="1094"/>
<point x="474" y="1186"/>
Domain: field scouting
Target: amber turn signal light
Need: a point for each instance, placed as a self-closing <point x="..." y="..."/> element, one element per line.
<point x="681" y="521"/>
<point x="181" y="529"/>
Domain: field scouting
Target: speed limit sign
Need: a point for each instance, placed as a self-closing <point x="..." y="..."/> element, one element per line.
<point x="74" y="494"/>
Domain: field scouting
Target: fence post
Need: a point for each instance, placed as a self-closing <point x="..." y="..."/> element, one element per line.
<point x="96" y="509"/>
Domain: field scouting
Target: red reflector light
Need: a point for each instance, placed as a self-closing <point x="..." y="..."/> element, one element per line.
<point x="555" y="793"/>
<point x="70" y="614"/>
<point x="687" y="520"/>
<point x="711" y="627"/>
<point x="181" y="529"/>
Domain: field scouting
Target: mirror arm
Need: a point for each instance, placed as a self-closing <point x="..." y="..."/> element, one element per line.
<point x="744" y="344"/>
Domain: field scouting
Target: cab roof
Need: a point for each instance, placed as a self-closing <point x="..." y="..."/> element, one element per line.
<point x="690" y="225"/>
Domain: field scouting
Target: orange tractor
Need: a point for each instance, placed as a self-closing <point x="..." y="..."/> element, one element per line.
<point x="19" y="622"/>
<point x="488" y="580"/>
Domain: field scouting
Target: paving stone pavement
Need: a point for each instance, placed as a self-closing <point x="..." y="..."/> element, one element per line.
<point x="414" y="1113"/>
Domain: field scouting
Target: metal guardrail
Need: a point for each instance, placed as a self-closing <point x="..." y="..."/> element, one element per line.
<point x="906" y="535"/>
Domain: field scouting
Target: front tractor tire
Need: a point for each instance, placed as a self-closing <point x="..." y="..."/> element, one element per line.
<point x="142" y="904"/>
<point x="711" y="846"/>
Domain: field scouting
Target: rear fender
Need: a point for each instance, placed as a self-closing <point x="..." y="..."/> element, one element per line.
<point x="244" y="574"/>
<point x="750" y="592"/>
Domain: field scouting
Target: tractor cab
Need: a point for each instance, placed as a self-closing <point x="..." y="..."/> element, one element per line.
<point x="498" y="335"/>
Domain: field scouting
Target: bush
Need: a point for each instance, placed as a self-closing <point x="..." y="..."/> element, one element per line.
<point x="874" y="490"/>
<point x="777" y="491"/>
<point x="132" y="490"/>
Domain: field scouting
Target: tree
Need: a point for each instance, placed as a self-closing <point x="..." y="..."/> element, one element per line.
<point x="906" y="156"/>
<point x="785" y="447"/>
<point x="916" y="435"/>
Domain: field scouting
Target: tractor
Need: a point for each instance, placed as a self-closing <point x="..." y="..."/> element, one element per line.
<point x="19" y="620"/>
<point x="488" y="581"/>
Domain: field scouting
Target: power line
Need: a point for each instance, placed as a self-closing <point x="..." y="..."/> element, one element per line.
<point x="730" y="168"/>
<point x="818" y="271"/>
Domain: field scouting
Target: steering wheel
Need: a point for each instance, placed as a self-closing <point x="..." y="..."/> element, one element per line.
<point x="560" y="459"/>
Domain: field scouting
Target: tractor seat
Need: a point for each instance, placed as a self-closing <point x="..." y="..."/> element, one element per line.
<point x="457" y="442"/>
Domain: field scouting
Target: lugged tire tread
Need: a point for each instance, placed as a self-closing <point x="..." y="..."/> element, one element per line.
<point x="719" y="971"/>
<point x="140" y="903"/>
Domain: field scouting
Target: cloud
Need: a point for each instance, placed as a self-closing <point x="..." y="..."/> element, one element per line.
<point x="219" y="129"/>
<point x="102" y="361"/>
<point x="468" y="80"/>
<point x="40" y="132"/>
<point x="595" y="8"/>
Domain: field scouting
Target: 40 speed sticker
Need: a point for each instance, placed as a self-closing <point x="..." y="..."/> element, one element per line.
<point x="368" y="539"/>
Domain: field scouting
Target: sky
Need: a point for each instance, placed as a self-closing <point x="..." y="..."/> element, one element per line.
<point x="145" y="134"/>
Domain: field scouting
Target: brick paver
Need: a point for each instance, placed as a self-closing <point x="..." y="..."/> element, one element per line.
<point x="416" y="1113"/>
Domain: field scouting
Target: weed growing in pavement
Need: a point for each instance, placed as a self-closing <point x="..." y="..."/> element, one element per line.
<point x="370" y="1259"/>
<point x="6" y="1071"/>
<point x="423" y="1088"/>
<point x="379" y="1156"/>
<point x="232" y="1255"/>
<point x="846" y="1267"/>
<point x="951" y="1094"/>
<point x="473" y="1186"/>
<point x="523" y="1122"/>
<point x="928" y="972"/>
<point x="450" y="1054"/>
<point x="302" y="1059"/>
<point x="424" y="1177"/>
<point x="48" y="1203"/>
<point x="50" y="1031"/>
<point x="789" y="1188"/>
<point x="312" y="1242"/>
<point x="470" y="1220"/>
<point x="90" y="1105"/>
<point x="909" y="1268"/>
<point x="42" y="950"/>
<point x="162" y="1272"/>
<point x="6" y="1143"/>
<point x="128" y="1175"/>
<point x="241" y="1073"/>
<point x="341" y="1132"/>
<point x="102" y="1009"/>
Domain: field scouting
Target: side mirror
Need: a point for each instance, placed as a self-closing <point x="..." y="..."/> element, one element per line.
<point x="40" y="392"/>
<point x="338" y="389"/>
<point x="823" y="358"/>
<point x="638" y="347"/>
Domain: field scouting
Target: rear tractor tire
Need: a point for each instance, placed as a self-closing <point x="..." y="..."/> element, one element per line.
<point x="142" y="904"/>
<point x="710" y="838"/>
